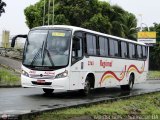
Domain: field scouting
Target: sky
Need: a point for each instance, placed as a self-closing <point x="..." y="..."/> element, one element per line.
<point x="13" y="19"/>
<point x="146" y="11"/>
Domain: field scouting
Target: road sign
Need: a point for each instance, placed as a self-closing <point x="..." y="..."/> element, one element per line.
<point x="147" y="37"/>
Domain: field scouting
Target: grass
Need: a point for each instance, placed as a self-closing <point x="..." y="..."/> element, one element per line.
<point x="8" y="77"/>
<point x="145" y="106"/>
<point x="154" y="75"/>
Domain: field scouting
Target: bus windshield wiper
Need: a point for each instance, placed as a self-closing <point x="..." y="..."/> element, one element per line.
<point x="49" y="56"/>
<point x="37" y="54"/>
<point x="35" y="57"/>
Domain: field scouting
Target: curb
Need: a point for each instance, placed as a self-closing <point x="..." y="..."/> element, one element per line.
<point x="153" y="79"/>
<point x="10" y="86"/>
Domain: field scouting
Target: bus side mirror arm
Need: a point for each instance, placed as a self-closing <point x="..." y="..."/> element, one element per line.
<point x="14" y="39"/>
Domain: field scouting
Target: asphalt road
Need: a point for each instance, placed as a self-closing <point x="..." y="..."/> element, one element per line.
<point x="24" y="100"/>
<point x="11" y="63"/>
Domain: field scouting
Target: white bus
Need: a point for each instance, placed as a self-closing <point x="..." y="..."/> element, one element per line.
<point x="72" y="58"/>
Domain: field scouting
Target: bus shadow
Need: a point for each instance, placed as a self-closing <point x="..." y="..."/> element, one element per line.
<point x="95" y="93"/>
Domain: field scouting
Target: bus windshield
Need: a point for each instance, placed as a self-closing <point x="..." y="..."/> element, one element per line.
<point x="47" y="48"/>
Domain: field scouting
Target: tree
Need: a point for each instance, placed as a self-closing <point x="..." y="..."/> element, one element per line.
<point x="34" y="14"/>
<point x="117" y="20"/>
<point x="96" y="23"/>
<point x="2" y="5"/>
<point x="91" y="14"/>
<point x="154" y="58"/>
<point x="129" y="27"/>
<point x="154" y="63"/>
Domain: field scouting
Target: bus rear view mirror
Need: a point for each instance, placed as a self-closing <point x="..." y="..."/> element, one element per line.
<point x="15" y="37"/>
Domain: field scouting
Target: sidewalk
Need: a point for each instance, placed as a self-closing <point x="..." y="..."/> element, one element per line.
<point x="10" y="63"/>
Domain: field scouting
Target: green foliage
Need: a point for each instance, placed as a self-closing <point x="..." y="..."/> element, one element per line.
<point x="60" y="18"/>
<point x="154" y="58"/>
<point x="130" y="30"/>
<point x="96" y="23"/>
<point x="91" y="14"/>
<point x="141" y="106"/>
<point x="2" y="5"/>
<point x="8" y="77"/>
<point x="154" y="75"/>
<point x="34" y="15"/>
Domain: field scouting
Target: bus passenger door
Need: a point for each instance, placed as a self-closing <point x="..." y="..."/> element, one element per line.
<point x="77" y="64"/>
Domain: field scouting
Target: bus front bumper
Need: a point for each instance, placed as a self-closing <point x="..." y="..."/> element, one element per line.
<point x="60" y="83"/>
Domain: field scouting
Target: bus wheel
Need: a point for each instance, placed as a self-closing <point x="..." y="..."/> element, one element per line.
<point x="129" y="86"/>
<point x="87" y="88"/>
<point x="48" y="91"/>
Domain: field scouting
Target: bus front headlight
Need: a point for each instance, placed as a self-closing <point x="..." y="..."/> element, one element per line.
<point x="25" y="73"/>
<point x="62" y="75"/>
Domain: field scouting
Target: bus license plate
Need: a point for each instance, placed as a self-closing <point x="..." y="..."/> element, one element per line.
<point x="41" y="81"/>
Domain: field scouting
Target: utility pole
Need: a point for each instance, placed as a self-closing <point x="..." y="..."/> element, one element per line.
<point x="140" y="22"/>
<point x="53" y="14"/>
<point x="145" y="25"/>
<point x="44" y="9"/>
<point x="48" y="10"/>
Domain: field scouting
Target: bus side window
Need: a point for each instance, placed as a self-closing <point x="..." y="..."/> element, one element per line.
<point x="124" y="53"/>
<point x="76" y="49"/>
<point x="91" y="44"/>
<point x="144" y="52"/>
<point x="113" y="48"/>
<point x="132" y="51"/>
<point x="103" y="46"/>
<point x="139" y="52"/>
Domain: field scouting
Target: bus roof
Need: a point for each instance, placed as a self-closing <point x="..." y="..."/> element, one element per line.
<point x="74" y="28"/>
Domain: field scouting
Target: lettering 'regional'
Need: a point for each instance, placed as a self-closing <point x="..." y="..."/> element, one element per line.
<point x="105" y="64"/>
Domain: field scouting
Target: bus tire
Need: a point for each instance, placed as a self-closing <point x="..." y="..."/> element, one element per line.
<point x="129" y="86"/>
<point x="48" y="91"/>
<point x="87" y="87"/>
